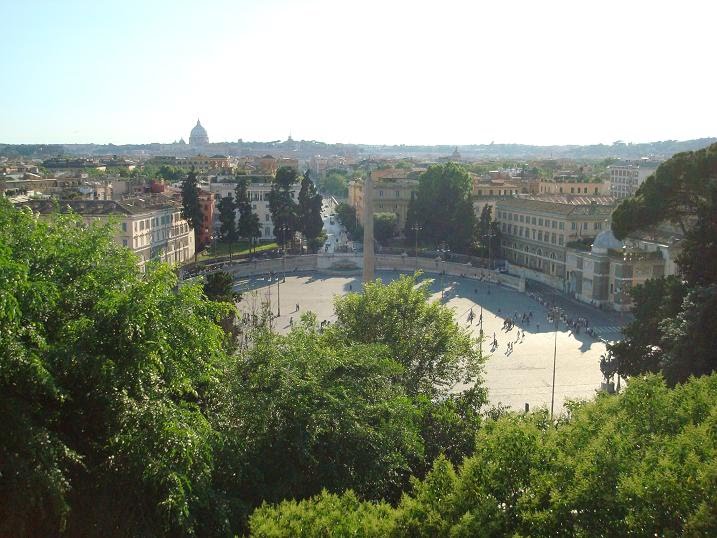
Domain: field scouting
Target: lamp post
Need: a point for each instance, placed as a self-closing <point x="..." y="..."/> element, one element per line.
<point x="555" y="312"/>
<point x="416" y="228"/>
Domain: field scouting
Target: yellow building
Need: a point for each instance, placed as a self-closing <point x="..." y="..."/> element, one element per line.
<point x="573" y="185"/>
<point x="151" y="226"/>
<point x="393" y="190"/>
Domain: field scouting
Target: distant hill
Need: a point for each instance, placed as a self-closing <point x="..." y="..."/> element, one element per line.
<point x="305" y="149"/>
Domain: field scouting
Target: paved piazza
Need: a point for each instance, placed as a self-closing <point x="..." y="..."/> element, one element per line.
<point x="523" y="376"/>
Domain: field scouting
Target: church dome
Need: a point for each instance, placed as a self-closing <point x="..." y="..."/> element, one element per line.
<point x="606" y="241"/>
<point x="198" y="136"/>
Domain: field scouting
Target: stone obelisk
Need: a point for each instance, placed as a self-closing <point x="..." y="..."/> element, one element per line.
<point x="369" y="260"/>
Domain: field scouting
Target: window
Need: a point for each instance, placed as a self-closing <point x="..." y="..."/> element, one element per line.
<point x="540" y="222"/>
<point x="552" y="238"/>
<point x="572" y="225"/>
<point x="540" y="235"/>
<point x="398" y="194"/>
<point x="124" y="242"/>
<point x="521" y="218"/>
<point x="266" y="217"/>
<point x="124" y="229"/>
<point x="560" y="240"/>
<point x="533" y="234"/>
<point x="554" y="224"/>
<point x="533" y="220"/>
<point x="380" y="194"/>
<point x="561" y="225"/>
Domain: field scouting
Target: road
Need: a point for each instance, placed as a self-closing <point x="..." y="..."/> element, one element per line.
<point x="335" y="233"/>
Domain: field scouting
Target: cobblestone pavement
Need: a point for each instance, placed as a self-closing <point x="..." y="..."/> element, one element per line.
<point x="513" y="379"/>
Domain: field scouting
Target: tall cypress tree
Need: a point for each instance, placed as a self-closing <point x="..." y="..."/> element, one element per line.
<point x="310" y="222"/>
<point x="191" y="210"/>
<point x="227" y="218"/>
<point x="248" y="225"/>
<point x="282" y="206"/>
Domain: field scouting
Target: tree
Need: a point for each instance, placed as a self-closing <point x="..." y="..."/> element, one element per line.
<point x="310" y="221"/>
<point x="227" y="219"/>
<point x="282" y="205"/>
<point x="219" y="286"/>
<point x="384" y="226"/>
<point x="307" y="412"/>
<point x="348" y="219"/>
<point x="443" y="206"/>
<point x="335" y="183"/>
<point x="191" y="209"/>
<point x="421" y="336"/>
<point x="673" y="331"/>
<point x="638" y="464"/>
<point x="105" y="373"/>
<point x="248" y="225"/>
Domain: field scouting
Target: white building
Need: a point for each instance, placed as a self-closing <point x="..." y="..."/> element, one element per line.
<point x="627" y="176"/>
<point x="259" y="196"/>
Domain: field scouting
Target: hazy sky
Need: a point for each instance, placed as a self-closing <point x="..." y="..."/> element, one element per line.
<point x="411" y="72"/>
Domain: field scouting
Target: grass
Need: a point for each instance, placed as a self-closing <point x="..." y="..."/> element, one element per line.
<point x="240" y="247"/>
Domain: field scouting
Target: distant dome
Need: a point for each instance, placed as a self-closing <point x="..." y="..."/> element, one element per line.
<point x="606" y="241"/>
<point x="198" y="136"/>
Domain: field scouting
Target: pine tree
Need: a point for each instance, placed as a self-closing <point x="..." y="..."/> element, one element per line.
<point x="227" y="218"/>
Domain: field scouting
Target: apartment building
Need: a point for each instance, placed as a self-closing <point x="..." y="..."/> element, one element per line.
<point x="627" y="176"/>
<point x="536" y="232"/>
<point x="151" y="226"/>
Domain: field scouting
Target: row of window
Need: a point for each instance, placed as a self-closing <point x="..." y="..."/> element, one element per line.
<point x="539" y="221"/>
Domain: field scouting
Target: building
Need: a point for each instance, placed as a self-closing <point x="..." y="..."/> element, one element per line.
<point x="604" y="273"/>
<point x="258" y="192"/>
<point x="393" y="190"/>
<point x="536" y="232"/>
<point x="570" y="184"/>
<point x="198" y="135"/>
<point x="151" y="226"/>
<point x="627" y="176"/>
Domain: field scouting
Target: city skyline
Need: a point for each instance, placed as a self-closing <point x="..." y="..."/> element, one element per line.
<point x="369" y="73"/>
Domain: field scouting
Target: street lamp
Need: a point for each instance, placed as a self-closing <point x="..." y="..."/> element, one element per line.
<point x="555" y="312"/>
<point x="416" y="228"/>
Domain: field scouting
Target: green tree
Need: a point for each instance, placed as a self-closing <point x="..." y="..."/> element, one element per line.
<point x="384" y="226"/>
<point x="104" y="377"/>
<point x="227" y="219"/>
<point x="421" y="336"/>
<point x="348" y="219"/>
<point x="219" y="286"/>
<point x="673" y="331"/>
<point x="282" y="205"/>
<point x="310" y="221"/>
<point x="191" y="209"/>
<point x="307" y="412"/>
<point x="443" y="206"/>
<point x="248" y="225"/>
<point x="335" y="183"/>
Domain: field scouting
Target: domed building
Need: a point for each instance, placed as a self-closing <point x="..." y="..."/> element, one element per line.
<point x="604" y="275"/>
<point x="198" y="136"/>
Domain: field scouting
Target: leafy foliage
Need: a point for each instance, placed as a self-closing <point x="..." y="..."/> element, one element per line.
<point x="443" y="206"/>
<point x="282" y="206"/>
<point x="639" y="464"/>
<point x="674" y="330"/>
<point x="421" y="336"/>
<point x="384" y="226"/>
<point x="103" y="377"/>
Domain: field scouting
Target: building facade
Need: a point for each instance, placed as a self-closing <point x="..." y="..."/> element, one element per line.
<point x="393" y="190"/>
<point x="573" y="185"/>
<point x="536" y="233"/>
<point x="151" y="226"/>
<point x="626" y="177"/>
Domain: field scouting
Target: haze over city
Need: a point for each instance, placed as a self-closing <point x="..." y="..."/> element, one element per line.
<point x="358" y="72"/>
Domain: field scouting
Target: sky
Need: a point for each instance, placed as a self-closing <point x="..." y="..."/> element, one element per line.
<point x="370" y="71"/>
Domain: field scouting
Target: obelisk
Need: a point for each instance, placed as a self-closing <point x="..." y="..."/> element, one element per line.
<point x="369" y="260"/>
